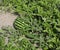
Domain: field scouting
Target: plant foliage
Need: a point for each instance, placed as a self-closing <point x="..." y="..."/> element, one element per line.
<point x="38" y="21"/>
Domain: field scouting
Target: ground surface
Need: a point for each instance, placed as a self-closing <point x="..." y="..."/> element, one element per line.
<point x="7" y="19"/>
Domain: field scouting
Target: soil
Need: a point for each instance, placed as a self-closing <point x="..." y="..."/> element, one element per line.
<point x="7" y="19"/>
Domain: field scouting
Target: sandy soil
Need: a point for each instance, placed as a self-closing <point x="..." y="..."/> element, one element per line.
<point x="7" y="19"/>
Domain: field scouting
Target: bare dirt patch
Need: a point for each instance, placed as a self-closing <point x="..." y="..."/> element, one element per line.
<point x="7" y="19"/>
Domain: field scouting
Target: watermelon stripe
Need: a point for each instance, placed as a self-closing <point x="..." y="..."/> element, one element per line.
<point x="19" y="23"/>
